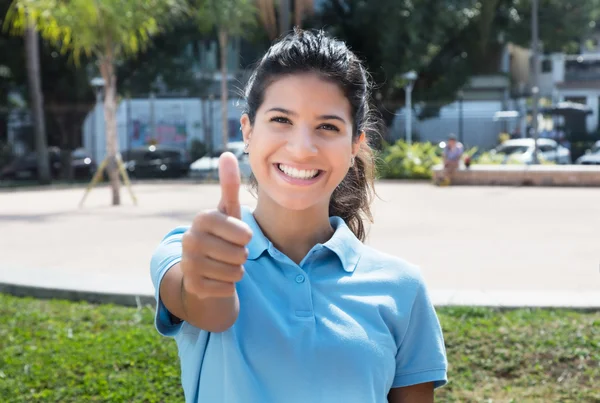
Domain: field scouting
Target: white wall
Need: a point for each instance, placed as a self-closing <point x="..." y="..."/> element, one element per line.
<point x="479" y="127"/>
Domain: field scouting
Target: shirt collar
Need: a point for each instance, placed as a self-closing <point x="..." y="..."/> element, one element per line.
<point x="343" y="243"/>
<point x="259" y="242"/>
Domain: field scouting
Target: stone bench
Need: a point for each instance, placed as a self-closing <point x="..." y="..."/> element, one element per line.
<point x="524" y="175"/>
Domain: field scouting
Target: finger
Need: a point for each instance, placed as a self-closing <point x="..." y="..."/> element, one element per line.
<point x="203" y="286"/>
<point x="228" y="228"/>
<point x="205" y="244"/>
<point x="216" y="270"/>
<point x="229" y="178"/>
<point x="217" y="288"/>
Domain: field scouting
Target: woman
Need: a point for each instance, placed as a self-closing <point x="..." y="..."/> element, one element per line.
<point x="285" y="303"/>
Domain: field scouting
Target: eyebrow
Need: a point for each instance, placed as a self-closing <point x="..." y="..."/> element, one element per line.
<point x="324" y="117"/>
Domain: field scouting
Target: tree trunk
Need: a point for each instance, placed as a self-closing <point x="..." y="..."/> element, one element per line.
<point x="37" y="102"/>
<point x="110" y="117"/>
<point x="223" y="38"/>
<point x="66" y="168"/>
<point x="266" y="11"/>
<point x="284" y="17"/>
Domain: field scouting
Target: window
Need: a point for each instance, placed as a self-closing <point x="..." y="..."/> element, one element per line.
<point x="546" y="66"/>
<point x="512" y="149"/>
<point x="545" y="147"/>
<point x="577" y="100"/>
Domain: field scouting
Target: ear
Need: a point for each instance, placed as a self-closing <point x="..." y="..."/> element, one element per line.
<point x="356" y="144"/>
<point x="246" y="127"/>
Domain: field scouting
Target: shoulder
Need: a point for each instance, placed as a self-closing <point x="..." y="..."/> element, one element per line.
<point x="394" y="269"/>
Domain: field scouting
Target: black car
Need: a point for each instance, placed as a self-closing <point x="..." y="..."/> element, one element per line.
<point x="26" y="167"/>
<point x="156" y="162"/>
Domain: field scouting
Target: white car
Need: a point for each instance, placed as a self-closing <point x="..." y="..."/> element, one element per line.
<point x="209" y="164"/>
<point x="521" y="150"/>
<point x="591" y="157"/>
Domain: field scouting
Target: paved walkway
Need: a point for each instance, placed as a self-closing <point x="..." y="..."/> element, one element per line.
<point x="476" y="245"/>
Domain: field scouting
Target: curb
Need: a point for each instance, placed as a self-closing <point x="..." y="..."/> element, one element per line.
<point x="588" y="302"/>
<point x="129" y="300"/>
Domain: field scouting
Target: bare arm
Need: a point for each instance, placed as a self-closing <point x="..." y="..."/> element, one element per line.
<point x="421" y="393"/>
<point x="201" y="289"/>
<point x="215" y="314"/>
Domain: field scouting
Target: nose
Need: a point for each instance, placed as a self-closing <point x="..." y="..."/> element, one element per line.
<point x="301" y="143"/>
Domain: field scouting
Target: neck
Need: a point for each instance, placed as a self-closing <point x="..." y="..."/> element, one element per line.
<point x="293" y="232"/>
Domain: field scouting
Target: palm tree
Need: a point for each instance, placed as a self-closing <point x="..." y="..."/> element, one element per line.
<point x="230" y="18"/>
<point x="37" y="102"/>
<point x="281" y="25"/>
<point x="109" y="30"/>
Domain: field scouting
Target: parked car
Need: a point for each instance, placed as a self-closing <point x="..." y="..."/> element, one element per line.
<point x="522" y="151"/>
<point x="156" y="161"/>
<point x="26" y="167"/>
<point x="591" y="156"/>
<point x="209" y="164"/>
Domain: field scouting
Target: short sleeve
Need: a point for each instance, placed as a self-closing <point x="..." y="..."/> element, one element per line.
<point x="421" y="357"/>
<point x="166" y="255"/>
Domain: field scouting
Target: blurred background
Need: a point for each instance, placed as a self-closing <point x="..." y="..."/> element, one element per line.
<point x="165" y="80"/>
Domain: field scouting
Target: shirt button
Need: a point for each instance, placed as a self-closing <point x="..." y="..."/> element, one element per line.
<point x="299" y="278"/>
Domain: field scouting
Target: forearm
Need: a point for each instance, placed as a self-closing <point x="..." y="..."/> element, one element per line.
<point x="210" y="314"/>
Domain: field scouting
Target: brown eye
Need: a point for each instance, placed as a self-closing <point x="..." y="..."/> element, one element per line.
<point x="280" y="119"/>
<point x="329" y="127"/>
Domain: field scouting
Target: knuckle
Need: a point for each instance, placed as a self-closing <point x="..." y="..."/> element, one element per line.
<point x="191" y="285"/>
<point x="238" y="273"/>
<point x="245" y="235"/>
<point x="197" y="222"/>
<point x="202" y="220"/>
<point x="187" y="241"/>
<point x="240" y="256"/>
<point x="227" y="288"/>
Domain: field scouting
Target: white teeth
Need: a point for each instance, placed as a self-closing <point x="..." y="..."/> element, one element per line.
<point x="298" y="173"/>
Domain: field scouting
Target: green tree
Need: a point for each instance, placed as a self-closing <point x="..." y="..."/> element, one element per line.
<point x="36" y="98"/>
<point x="173" y="59"/>
<point x="229" y="18"/>
<point x="563" y="24"/>
<point x="446" y="41"/>
<point x="394" y="37"/>
<point x="110" y="30"/>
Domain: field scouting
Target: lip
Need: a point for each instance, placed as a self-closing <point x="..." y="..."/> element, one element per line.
<point x="296" y="181"/>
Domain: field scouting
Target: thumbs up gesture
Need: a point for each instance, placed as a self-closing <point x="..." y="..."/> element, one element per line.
<point x="214" y="248"/>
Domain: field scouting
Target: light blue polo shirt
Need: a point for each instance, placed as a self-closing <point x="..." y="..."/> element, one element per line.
<point x="345" y="325"/>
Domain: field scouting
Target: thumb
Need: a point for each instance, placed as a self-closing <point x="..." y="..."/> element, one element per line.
<point x="229" y="178"/>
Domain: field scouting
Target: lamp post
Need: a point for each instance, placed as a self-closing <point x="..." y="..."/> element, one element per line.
<point x="461" y="96"/>
<point x="98" y="84"/>
<point x="410" y="78"/>
<point x="535" y="90"/>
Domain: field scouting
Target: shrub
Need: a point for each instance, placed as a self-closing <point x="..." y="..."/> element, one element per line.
<point x="404" y="161"/>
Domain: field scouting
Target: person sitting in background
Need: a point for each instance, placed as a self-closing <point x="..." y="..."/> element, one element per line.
<point x="452" y="154"/>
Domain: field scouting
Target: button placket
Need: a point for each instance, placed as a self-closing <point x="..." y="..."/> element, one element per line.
<point x="304" y="307"/>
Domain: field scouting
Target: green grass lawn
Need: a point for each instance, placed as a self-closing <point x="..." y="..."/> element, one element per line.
<point x="57" y="351"/>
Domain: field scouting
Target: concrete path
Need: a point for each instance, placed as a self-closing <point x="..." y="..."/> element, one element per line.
<point x="494" y="246"/>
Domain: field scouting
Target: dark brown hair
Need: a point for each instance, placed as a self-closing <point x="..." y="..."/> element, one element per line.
<point x="313" y="51"/>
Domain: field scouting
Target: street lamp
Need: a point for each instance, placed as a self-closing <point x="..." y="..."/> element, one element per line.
<point x="535" y="90"/>
<point x="98" y="84"/>
<point x="410" y="78"/>
<point x="461" y="97"/>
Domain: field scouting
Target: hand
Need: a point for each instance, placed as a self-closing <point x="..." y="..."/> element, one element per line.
<point x="214" y="248"/>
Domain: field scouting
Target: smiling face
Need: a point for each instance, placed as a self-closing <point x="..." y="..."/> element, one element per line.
<point x="300" y="145"/>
